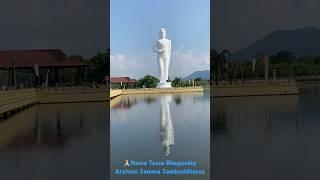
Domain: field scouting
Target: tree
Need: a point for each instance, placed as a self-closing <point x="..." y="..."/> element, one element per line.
<point x="284" y="61"/>
<point x="283" y="56"/>
<point x="177" y="82"/>
<point x="217" y="62"/>
<point x="98" y="67"/>
<point x="148" y="81"/>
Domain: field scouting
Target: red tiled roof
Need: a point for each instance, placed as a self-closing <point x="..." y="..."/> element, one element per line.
<point x="43" y="57"/>
<point x="121" y="79"/>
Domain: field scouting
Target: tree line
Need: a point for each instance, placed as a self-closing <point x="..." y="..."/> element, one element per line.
<point x="283" y="64"/>
<point x="149" y="81"/>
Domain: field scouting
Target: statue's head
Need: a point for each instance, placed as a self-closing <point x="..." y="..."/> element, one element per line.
<point x="162" y="33"/>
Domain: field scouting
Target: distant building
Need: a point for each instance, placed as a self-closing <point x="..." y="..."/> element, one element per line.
<point x="24" y="67"/>
<point x="122" y="83"/>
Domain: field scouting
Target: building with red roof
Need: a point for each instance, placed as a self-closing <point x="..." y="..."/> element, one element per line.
<point x="12" y="62"/>
<point x="122" y="82"/>
<point x="49" y="58"/>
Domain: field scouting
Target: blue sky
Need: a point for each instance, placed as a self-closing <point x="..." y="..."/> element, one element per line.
<point x="135" y="25"/>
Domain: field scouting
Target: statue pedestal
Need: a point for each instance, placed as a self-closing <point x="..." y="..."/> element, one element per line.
<point x="164" y="85"/>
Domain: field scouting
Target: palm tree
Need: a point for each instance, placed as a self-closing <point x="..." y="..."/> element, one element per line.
<point x="217" y="61"/>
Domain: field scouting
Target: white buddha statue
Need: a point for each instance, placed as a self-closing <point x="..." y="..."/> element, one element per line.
<point x="163" y="49"/>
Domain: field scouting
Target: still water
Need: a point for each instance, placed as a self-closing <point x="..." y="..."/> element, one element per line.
<point x="55" y="142"/>
<point x="160" y="127"/>
<point x="274" y="137"/>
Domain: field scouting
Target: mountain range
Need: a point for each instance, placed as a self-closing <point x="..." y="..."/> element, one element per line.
<point x="205" y="75"/>
<point x="302" y="42"/>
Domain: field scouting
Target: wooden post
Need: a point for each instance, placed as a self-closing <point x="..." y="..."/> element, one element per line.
<point x="241" y="72"/>
<point x="14" y="75"/>
<point x="59" y="77"/>
<point x="274" y="74"/>
<point x="8" y="78"/>
<point x="56" y="76"/>
<point x="86" y="76"/>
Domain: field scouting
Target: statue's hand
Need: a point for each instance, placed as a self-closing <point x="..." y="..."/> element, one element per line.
<point x="155" y="48"/>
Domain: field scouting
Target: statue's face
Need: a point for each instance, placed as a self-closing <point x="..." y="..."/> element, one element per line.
<point x="162" y="33"/>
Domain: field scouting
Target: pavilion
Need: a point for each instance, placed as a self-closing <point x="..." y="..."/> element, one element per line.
<point x="31" y="68"/>
<point x="122" y="83"/>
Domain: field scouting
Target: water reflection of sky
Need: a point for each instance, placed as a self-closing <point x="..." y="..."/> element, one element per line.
<point x="159" y="127"/>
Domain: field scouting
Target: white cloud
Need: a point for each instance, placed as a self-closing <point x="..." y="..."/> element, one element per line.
<point x="118" y="63"/>
<point x="182" y="64"/>
<point x="185" y="62"/>
<point x="134" y="67"/>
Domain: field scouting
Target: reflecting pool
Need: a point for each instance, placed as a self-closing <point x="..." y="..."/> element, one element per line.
<point x="161" y="127"/>
<point x="55" y="141"/>
<point x="270" y="137"/>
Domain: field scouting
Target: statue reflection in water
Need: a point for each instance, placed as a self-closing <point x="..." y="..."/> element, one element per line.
<point x="166" y="124"/>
